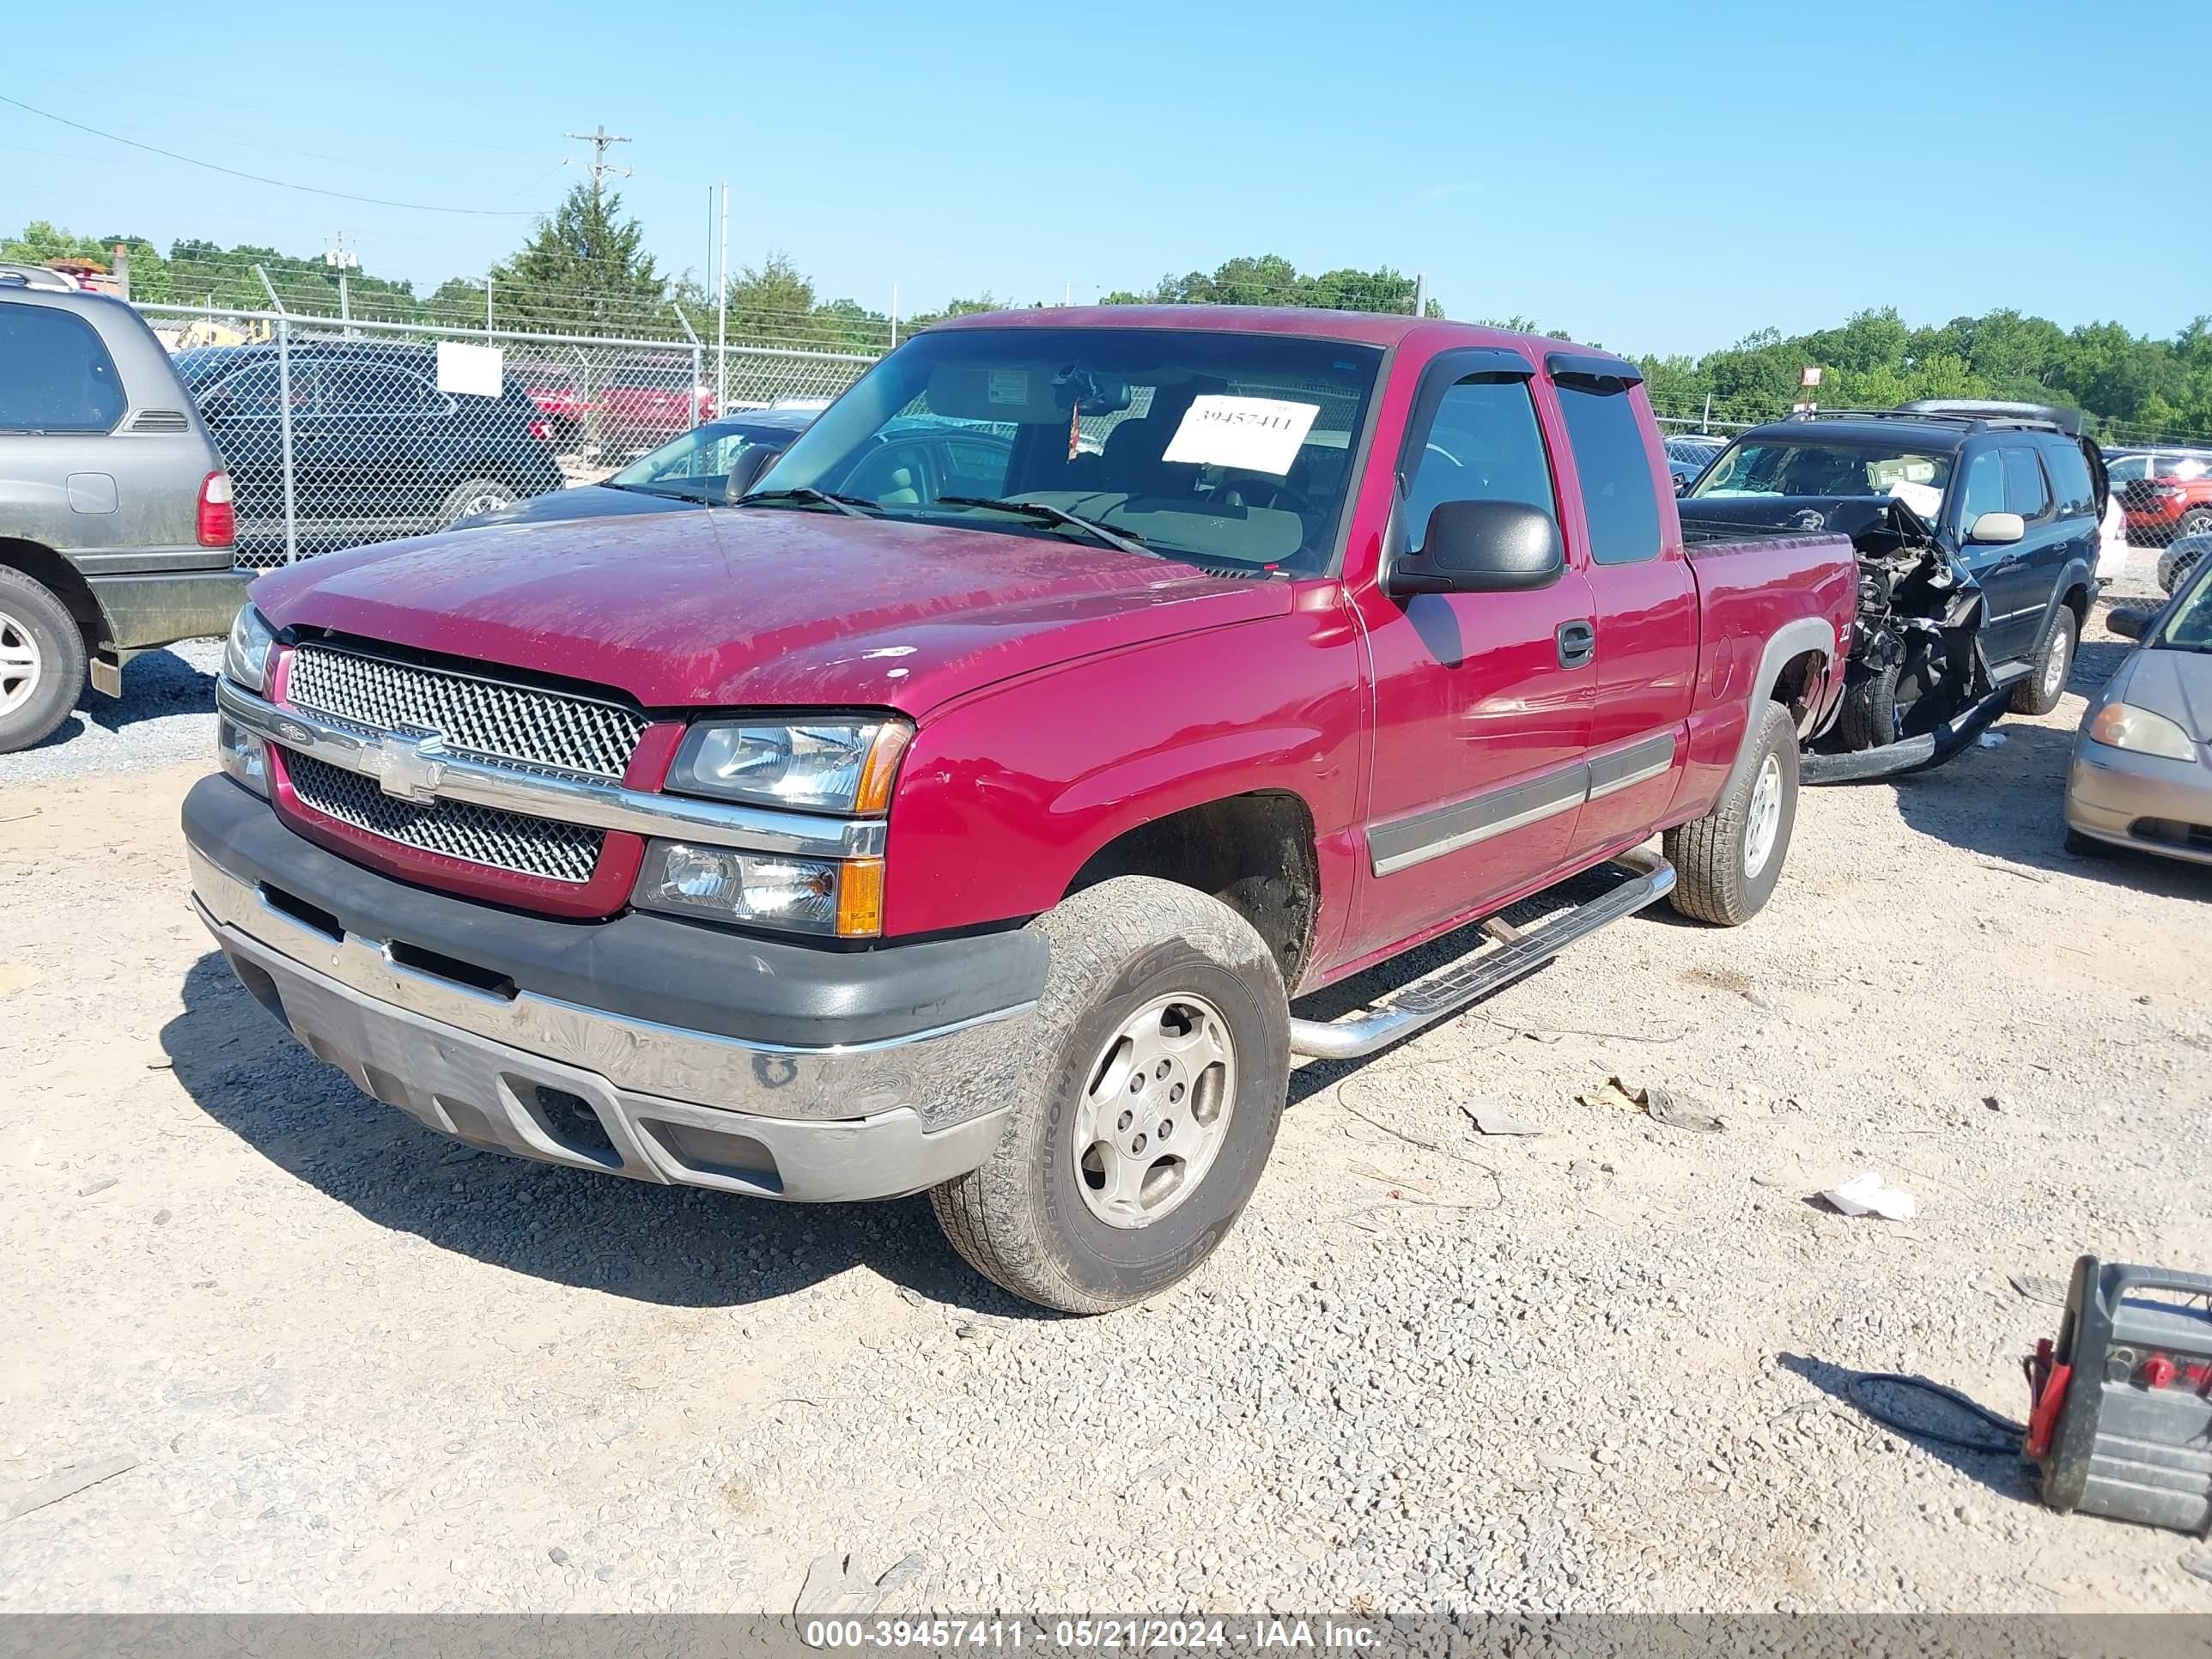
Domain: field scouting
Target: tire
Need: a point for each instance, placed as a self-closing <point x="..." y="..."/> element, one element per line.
<point x="42" y="662"/>
<point x="2087" y="846"/>
<point x="465" y="501"/>
<point x="1869" y="717"/>
<point x="2194" y="522"/>
<point x="1034" y="1218"/>
<point x="1717" y="878"/>
<point x="2038" y="694"/>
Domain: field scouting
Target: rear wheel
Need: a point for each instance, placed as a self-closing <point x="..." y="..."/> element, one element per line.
<point x="42" y="662"/>
<point x="1141" y="1125"/>
<point x="2194" y="522"/>
<point x="1726" y="864"/>
<point x="2038" y="694"/>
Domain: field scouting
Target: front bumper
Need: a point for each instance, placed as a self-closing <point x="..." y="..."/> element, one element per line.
<point x="502" y="1066"/>
<point x="2109" y="791"/>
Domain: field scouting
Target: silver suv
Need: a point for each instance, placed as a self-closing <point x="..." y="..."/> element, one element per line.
<point x="116" y="522"/>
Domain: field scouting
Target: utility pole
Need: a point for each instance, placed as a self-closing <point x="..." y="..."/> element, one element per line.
<point x="598" y="138"/>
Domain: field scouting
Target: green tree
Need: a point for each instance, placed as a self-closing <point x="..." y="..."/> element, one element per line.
<point x="585" y="271"/>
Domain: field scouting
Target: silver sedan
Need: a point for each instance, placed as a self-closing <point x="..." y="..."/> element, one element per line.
<point x="2142" y="775"/>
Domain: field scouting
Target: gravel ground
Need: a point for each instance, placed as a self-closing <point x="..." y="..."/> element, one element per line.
<point x="354" y="1366"/>
<point x="166" y="717"/>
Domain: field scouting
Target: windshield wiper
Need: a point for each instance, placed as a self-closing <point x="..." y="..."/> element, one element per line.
<point x="1125" y="541"/>
<point x="807" y="495"/>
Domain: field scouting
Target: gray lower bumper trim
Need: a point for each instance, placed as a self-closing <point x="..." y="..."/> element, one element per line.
<point x="491" y="1094"/>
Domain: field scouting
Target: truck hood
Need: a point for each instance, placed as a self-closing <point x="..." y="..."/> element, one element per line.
<point x="760" y="606"/>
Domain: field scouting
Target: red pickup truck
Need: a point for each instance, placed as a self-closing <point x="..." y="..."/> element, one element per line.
<point x="964" y="809"/>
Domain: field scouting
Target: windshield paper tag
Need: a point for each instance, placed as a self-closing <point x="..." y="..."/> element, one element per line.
<point x="1251" y="435"/>
<point x="1008" y="386"/>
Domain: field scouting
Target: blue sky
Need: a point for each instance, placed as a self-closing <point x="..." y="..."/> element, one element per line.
<point x="1654" y="176"/>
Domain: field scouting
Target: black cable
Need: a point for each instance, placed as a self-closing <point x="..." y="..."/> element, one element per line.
<point x="2014" y="1434"/>
<point x="259" y="178"/>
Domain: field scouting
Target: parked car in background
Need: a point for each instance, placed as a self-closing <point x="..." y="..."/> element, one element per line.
<point x="710" y="465"/>
<point x="2169" y="503"/>
<point x="377" y="451"/>
<point x="644" y="401"/>
<point x="2142" y="772"/>
<point x="1689" y="454"/>
<point x="2179" y="558"/>
<point x="970" y="830"/>
<point x="553" y="390"/>
<point x="1977" y="531"/>
<point x="115" y="511"/>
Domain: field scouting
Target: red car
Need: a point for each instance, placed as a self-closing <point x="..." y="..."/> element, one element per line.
<point x="2164" y="509"/>
<point x="563" y="409"/>
<point x="643" y="402"/>
<point x="963" y="810"/>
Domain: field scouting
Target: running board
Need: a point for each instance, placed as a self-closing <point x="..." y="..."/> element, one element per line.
<point x="1507" y="955"/>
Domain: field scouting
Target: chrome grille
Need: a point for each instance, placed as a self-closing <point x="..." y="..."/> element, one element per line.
<point x="484" y="720"/>
<point x="459" y="829"/>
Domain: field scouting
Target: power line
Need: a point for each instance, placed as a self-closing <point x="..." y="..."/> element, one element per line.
<point x="260" y="178"/>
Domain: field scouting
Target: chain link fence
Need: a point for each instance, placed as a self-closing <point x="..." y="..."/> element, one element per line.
<point x="338" y="432"/>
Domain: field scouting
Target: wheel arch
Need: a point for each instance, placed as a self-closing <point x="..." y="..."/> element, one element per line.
<point x="64" y="581"/>
<point x="1256" y="852"/>
<point x="1793" y="656"/>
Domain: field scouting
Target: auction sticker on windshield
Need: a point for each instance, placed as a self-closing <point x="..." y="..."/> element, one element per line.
<point x="1252" y="435"/>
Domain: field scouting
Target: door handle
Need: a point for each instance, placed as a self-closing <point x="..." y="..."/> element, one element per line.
<point x="1577" y="642"/>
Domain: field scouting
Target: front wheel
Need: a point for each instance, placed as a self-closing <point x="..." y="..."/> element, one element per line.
<point x="1141" y="1122"/>
<point x="2038" y="694"/>
<point x="1726" y="864"/>
<point x="2194" y="522"/>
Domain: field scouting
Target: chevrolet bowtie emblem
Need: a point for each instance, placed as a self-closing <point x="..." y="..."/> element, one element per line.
<point x="410" y="768"/>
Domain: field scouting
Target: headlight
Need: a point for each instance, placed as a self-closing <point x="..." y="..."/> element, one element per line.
<point x="2123" y="726"/>
<point x="245" y="657"/>
<point x="833" y="766"/>
<point x="837" y="899"/>
<point x="242" y="755"/>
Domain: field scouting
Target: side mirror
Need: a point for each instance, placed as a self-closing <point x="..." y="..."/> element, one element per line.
<point x="746" y="471"/>
<point x="2128" y="622"/>
<point x="1997" y="528"/>
<point x="1480" y="547"/>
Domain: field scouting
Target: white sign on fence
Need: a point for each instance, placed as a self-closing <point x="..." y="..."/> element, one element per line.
<point x="471" y="371"/>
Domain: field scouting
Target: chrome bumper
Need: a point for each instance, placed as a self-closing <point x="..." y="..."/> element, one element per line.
<point x="551" y="1080"/>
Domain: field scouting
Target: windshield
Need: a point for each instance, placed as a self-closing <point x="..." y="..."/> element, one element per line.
<point x="2188" y="625"/>
<point x="1775" y="467"/>
<point x="1223" y="448"/>
<point x="696" y="466"/>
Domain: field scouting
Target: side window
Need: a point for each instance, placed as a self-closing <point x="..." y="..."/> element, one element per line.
<point x="357" y="388"/>
<point x="1986" y="489"/>
<point x="2024" y="491"/>
<point x="255" y="391"/>
<point x="1620" y="496"/>
<point x="2069" y="481"/>
<point x="1485" y="445"/>
<point x="55" y="374"/>
<point x="2129" y="468"/>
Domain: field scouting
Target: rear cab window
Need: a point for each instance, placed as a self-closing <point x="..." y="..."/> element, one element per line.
<point x="56" y="374"/>
<point x="1613" y="466"/>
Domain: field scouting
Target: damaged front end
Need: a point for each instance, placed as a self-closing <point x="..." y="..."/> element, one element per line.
<point x="1918" y="687"/>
